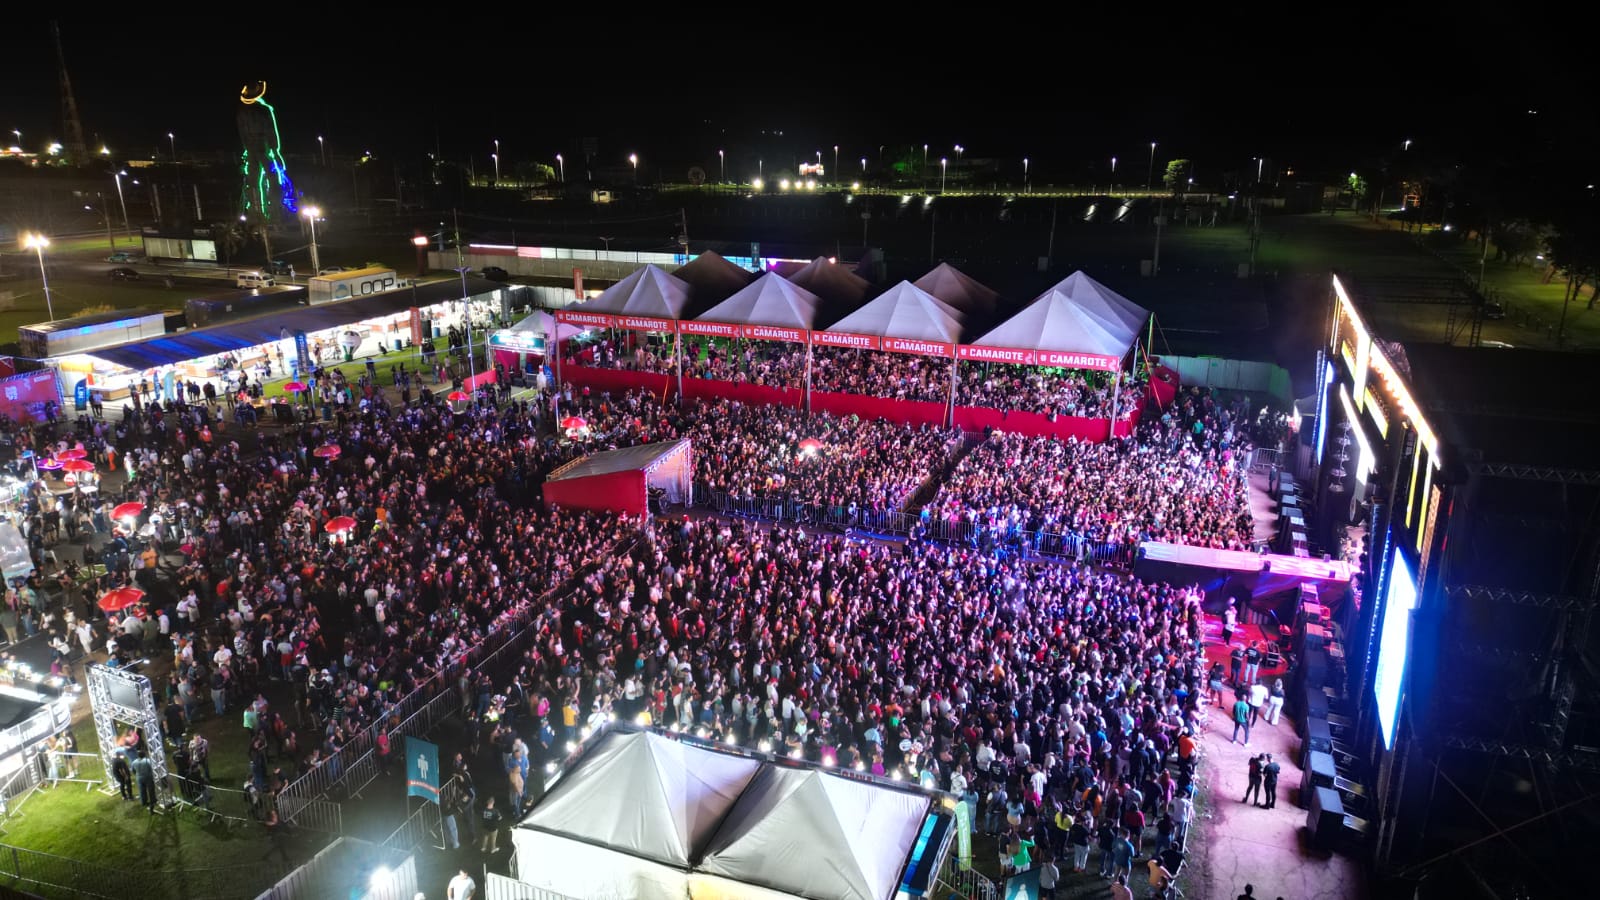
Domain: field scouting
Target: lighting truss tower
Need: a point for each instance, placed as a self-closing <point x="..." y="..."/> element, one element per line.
<point x="118" y="695"/>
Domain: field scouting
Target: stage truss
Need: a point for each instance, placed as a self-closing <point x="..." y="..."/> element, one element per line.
<point x="105" y="685"/>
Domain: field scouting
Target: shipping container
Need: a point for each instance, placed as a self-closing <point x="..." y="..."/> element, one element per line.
<point x="199" y="312"/>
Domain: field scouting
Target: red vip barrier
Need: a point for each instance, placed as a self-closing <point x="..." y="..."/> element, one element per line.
<point x="977" y="418"/>
<point x="906" y="412"/>
<point x="616" y="380"/>
<point x="1163" y="385"/>
<point x="744" y="392"/>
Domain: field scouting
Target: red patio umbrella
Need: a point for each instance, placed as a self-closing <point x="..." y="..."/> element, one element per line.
<point x="810" y="445"/>
<point x="130" y="510"/>
<point x="574" y="422"/>
<point x="74" y="453"/>
<point x="458" y="396"/>
<point x="120" y="599"/>
<point x="294" y="387"/>
<point x="327" y="451"/>
<point x="78" y="465"/>
<point x="339" y="525"/>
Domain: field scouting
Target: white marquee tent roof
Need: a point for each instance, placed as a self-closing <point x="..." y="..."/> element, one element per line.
<point x="832" y="282"/>
<point x="546" y="324"/>
<point x="1079" y="315"/>
<point x="855" y="836"/>
<point x="908" y="312"/>
<point x="769" y="300"/>
<point x="711" y="278"/>
<point x="649" y="291"/>
<point x="646" y="795"/>
<point x="642" y="815"/>
<point x="956" y="288"/>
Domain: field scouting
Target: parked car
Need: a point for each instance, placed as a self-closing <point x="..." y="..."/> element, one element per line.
<point x="122" y="256"/>
<point x="495" y="273"/>
<point x="279" y="267"/>
<point x="332" y="270"/>
<point x="253" y="280"/>
<point x="123" y="273"/>
<point x="1494" y="310"/>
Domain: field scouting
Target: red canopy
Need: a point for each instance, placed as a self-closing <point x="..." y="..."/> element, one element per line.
<point x="78" y="465"/>
<point x="294" y="387"/>
<point x="574" y="422"/>
<point x="128" y="510"/>
<point x="339" y="525"/>
<point x="458" y="396"/>
<point x="811" y="445"/>
<point x="120" y="599"/>
<point x="327" y="451"/>
<point x="74" y="453"/>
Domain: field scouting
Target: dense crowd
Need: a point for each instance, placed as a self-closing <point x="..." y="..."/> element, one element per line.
<point x="1050" y="392"/>
<point x="892" y="376"/>
<point x="744" y="451"/>
<point x="767" y="363"/>
<point x="1177" y="479"/>
<point x="1037" y="692"/>
<point x="1052" y="696"/>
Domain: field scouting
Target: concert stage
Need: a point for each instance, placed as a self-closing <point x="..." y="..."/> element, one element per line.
<point x="1251" y="578"/>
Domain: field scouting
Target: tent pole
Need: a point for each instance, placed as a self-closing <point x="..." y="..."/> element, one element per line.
<point x="1116" y="391"/>
<point x="950" y="415"/>
<point x="555" y="394"/>
<point x="808" y="373"/>
<point x="677" y="359"/>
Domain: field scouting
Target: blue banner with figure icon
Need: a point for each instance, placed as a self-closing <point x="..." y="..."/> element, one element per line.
<point x="422" y="769"/>
<point x="1023" y="886"/>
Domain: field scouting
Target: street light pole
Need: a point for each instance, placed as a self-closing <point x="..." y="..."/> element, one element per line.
<point x="37" y="243"/>
<point x="117" y="176"/>
<point x="634" y="158"/>
<point x="1150" y="174"/>
<point x="322" y="151"/>
<point x="722" y="167"/>
<point x="496" y="158"/>
<point x="943" y="162"/>
<point x="420" y="241"/>
<point x="561" y="166"/>
<point x="1026" y="185"/>
<point x="836" y="160"/>
<point x="472" y="364"/>
<point x="311" y="212"/>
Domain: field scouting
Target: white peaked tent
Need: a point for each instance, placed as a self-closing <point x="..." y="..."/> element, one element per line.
<point x="1079" y="315"/>
<point x="832" y="282"/>
<point x="643" y="815"/>
<point x="955" y="288"/>
<point x="769" y="300"/>
<point x="809" y="833"/>
<point x="544" y="323"/>
<point x="907" y="312"/>
<point x="711" y="278"/>
<point x="644" y="795"/>
<point x="650" y="291"/>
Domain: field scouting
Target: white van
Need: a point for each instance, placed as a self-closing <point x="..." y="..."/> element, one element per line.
<point x="253" y="280"/>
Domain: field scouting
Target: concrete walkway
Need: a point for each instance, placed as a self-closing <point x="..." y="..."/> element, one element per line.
<point x="1244" y="844"/>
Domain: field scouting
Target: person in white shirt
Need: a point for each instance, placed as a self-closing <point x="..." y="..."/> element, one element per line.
<point x="1258" y="701"/>
<point x="461" y="887"/>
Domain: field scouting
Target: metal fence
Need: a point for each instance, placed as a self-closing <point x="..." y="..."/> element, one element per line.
<point x="500" y="887"/>
<point x="344" y="868"/>
<point x="966" y="884"/>
<point x="423" y="826"/>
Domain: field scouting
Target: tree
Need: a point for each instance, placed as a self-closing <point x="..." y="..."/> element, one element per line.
<point x="1358" y="188"/>
<point x="1574" y="248"/>
<point x="1177" y="174"/>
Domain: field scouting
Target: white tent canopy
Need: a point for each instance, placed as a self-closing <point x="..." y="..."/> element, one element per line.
<point x="907" y="312"/>
<point x="955" y="288"/>
<point x="642" y="815"/>
<point x="544" y="323"/>
<point x="856" y="836"/>
<point x="645" y="795"/>
<point x="649" y="291"/>
<point x="711" y="278"/>
<point x="1079" y="315"/>
<point x="769" y="300"/>
<point x="832" y="282"/>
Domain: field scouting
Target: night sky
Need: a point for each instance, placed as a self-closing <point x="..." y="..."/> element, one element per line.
<point x="1330" y="92"/>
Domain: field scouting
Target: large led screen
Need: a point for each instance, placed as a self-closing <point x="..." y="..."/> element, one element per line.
<point x="1394" y="642"/>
